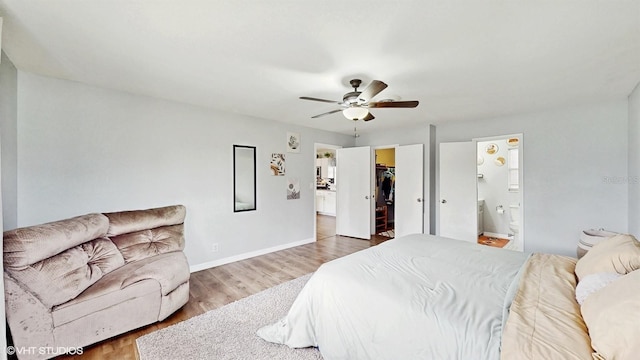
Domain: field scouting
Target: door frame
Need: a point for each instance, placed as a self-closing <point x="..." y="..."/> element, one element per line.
<point x="317" y="146"/>
<point x="519" y="246"/>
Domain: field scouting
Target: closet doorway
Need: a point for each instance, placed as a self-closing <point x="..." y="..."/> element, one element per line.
<point x="385" y="181"/>
<point x="380" y="192"/>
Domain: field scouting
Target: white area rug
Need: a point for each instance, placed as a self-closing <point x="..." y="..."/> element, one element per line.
<point x="229" y="332"/>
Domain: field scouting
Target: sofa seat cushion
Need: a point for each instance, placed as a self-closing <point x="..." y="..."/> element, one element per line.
<point x="28" y="245"/>
<point x="142" y="244"/>
<point x="123" y="222"/>
<point x="109" y="322"/>
<point x="170" y="270"/>
<point x="161" y="274"/>
<point x="100" y="297"/>
<point x="62" y="277"/>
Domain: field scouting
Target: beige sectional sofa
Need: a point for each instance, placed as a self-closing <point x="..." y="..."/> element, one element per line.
<point x="74" y="282"/>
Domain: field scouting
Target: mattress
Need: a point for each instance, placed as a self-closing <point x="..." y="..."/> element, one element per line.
<point x="415" y="297"/>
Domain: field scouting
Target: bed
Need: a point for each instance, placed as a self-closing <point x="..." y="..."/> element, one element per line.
<point x="427" y="297"/>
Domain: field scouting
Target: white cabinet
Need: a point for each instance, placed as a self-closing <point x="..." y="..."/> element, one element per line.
<point x="332" y="172"/>
<point x="327" y="168"/>
<point x="326" y="202"/>
<point x="330" y="203"/>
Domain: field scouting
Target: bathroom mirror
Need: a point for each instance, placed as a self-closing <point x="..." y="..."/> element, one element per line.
<point x="244" y="178"/>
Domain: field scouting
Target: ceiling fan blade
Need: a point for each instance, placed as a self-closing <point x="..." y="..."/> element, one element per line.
<point x="327" y="113"/>
<point x="322" y="100"/>
<point x="369" y="117"/>
<point x="393" y="104"/>
<point x="372" y="90"/>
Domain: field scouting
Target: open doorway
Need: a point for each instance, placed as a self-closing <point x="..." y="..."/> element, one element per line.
<point x="500" y="194"/>
<point x="385" y="181"/>
<point x="326" y="186"/>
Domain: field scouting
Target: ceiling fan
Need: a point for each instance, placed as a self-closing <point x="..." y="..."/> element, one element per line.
<point x="356" y="104"/>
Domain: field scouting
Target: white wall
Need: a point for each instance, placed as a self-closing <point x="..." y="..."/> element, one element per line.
<point x="571" y="156"/>
<point x="84" y="149"/>
<point x="8" y="140"/>
<point x="8" y="114"/>
<point x="420" y="134"/>
<point x="634" y="162"/>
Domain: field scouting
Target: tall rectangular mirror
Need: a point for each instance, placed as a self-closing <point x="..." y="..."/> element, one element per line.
<point x="244" y="178"/>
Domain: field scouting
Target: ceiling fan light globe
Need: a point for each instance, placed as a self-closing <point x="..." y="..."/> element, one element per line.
<point x="355" y="113"/>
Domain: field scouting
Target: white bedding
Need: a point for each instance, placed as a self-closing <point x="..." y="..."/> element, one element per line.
<point x="418" y="296"/>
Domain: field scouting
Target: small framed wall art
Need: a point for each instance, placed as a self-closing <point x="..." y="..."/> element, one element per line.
<point x="293" y="142"/>
<point x="293" y="188"/>
<point x="277" y="164"/>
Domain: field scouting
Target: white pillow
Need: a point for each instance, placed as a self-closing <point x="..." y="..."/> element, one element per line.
<point x="592" y="283"/>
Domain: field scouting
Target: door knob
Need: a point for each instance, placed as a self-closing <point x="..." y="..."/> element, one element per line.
<point x="444" y="201"/>
<point x="419" y="200"/>
<point x="366" y="197"/>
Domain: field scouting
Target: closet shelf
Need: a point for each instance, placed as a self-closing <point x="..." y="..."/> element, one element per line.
<point x="381" y="219"/>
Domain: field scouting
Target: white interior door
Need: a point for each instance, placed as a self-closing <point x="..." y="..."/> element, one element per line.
<point x="458" y="191"/>
<point x="409" y="204"/>
<point x="353" y="192"/>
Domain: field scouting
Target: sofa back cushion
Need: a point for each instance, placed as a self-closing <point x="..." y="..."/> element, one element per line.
<point x="29" y="245"/>
<point x="145" y="243"/>
<point x="64" y="276"/>
<point x="124" y="222"/>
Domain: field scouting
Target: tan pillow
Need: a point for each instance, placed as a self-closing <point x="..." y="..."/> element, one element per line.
<point x="612" y="314"/>
<point x="620" y="254"/>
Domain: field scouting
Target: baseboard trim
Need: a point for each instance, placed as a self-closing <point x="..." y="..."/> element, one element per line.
<point x="326" y="213"/>
<point x="248" y="255"/>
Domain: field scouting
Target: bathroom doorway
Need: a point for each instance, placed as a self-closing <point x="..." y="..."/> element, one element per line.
<point x="500" y="191"/>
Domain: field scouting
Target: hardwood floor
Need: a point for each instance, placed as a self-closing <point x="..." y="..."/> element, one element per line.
<point x="215" y="287"/>
<point x="492" y="241"/>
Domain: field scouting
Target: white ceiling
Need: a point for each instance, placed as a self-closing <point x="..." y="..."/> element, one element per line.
<point x="461" y="59"/>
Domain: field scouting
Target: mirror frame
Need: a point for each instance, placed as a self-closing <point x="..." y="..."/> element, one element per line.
<point x="235" y="178"/>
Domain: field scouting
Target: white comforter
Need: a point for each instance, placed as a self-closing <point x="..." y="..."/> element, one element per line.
<point x="415" y="297"/>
